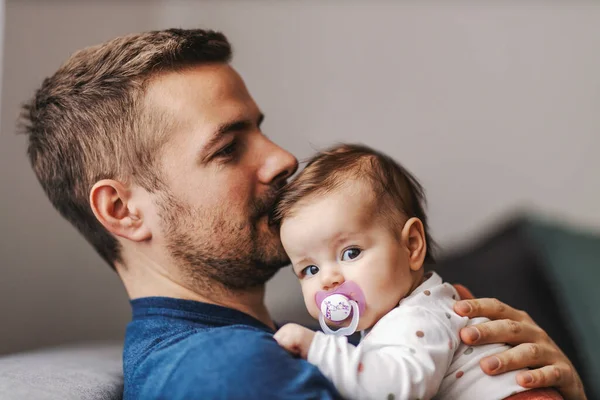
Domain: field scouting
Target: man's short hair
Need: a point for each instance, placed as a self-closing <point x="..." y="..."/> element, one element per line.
<point x="90" y="121"/>
<point x="398" y="194"/>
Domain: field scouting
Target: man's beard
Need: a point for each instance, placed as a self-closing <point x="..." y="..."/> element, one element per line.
<point x="208" y="247"/>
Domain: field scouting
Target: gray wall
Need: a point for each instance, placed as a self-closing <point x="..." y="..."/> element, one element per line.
<point x="493" y="105"/>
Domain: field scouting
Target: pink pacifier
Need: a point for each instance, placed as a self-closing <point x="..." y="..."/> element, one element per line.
<point x="345" y="301"/>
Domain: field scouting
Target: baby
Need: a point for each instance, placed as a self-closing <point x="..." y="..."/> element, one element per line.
<point x="354" y="226"/>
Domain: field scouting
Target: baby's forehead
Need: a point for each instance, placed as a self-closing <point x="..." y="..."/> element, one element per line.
<point x="352" y="192"/>
<point x="337" y="211"/>
<point x="308" y="232"/>
<point x="357" y="188"/>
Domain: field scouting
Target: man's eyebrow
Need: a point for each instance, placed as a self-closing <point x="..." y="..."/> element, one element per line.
<point x="238" y="125"/>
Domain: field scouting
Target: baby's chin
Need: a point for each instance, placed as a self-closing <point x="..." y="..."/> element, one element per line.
<point x="362" y="327"/>
<point x="365" y="323"/>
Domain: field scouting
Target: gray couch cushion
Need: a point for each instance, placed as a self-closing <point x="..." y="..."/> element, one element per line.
<point x="82" y="372"/>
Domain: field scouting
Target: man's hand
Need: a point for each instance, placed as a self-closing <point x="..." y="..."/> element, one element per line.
<point x="295" y="338"/>
<point x="533" y="347"/>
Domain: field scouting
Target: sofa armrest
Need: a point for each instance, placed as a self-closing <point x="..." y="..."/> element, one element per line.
<point x="90" y="371"/>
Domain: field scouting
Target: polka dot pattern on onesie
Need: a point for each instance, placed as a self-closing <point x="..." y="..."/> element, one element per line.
<point x="420" y="334"/>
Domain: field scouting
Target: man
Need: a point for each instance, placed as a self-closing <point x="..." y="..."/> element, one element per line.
<point x="151" y="146"/>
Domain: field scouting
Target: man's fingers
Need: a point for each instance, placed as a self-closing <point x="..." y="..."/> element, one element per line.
<point x="541" y="377"/>
<point x="560" y="376"/>
<point x="548" y="376"/>
<point x="489" y="308"/>
<point x="534" y="347"/>
<point x="501" y="331"/>
<point x="526" y="355"/>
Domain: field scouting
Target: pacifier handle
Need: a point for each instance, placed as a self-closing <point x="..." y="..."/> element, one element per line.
<point x="346" y="331"/>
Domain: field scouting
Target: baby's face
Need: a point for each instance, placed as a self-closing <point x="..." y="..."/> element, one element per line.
<point x="336" y="237"/>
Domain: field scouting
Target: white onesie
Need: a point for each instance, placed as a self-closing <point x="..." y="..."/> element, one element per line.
<point x="413" y="352"/>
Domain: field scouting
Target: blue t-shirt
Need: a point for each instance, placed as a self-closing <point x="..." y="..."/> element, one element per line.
<point x="182" y="349"/>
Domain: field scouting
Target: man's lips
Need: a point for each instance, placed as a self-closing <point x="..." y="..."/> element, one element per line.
<point x="349" y="289"/>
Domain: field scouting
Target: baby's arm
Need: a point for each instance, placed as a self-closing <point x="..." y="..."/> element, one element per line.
<point x="405" y="355"/>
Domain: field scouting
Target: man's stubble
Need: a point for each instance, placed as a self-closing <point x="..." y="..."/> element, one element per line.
<point x="209" y="247"/>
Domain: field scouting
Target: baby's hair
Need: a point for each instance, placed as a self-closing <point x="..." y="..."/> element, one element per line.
<point x="398" y="194"/>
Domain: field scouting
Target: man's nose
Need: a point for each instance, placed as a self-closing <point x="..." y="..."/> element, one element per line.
<point x="278" y="164"/>
<point x="331" y="278"/>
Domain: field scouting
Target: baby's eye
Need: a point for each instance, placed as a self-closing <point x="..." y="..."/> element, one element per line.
<point x="310" y="270"/>
<point x="351" y="254"/>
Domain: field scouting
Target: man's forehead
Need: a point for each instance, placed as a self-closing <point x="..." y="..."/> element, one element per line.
<point x="198" y="89"/>
<point x="198" y="102"/>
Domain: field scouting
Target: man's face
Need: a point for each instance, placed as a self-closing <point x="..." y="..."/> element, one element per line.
<point x="221" y="174"/>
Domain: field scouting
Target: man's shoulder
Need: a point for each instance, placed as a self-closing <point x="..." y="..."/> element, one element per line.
<point x="228" y="348"/>
<point x="229" y="362"/>
<point x="207" y="345"/>
<point x="239" y="340"/>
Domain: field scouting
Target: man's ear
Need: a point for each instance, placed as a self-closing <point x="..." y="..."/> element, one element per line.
<point x="413" y="240"/>
<point x="115" y="209"/>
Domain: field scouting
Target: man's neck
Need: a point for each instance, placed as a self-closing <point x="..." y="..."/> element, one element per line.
<point x="144" y="281"/>
<point x="250" y="301"/>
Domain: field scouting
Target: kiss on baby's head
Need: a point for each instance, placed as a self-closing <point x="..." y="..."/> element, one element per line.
<point x="357" y="208"/>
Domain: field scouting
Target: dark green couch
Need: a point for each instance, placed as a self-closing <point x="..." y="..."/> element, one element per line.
<point x="547" y="269"/>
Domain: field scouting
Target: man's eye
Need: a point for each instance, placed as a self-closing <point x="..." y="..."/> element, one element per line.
<point x="228" y="150"/>
<point x="351" y="254"/>
<point x="310" y="270"/>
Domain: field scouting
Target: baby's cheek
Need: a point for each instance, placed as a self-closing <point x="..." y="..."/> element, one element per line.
<point x="309" y="302"/>
<point x="314" y="313"/>
<point x="312" y="308"/>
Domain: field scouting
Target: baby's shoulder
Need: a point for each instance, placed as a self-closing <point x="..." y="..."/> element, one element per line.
<point x="432" y="294"/>
<point x="431" y="301"/>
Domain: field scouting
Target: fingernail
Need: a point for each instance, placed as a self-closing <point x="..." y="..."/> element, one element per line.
<point x="527" y="379"/>
<point x="492" y="364"/>
<point x="464" y="307"/>
<point x="472" y="334"/>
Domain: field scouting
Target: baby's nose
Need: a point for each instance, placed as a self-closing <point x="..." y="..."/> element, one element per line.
<point x="331" y="278"/>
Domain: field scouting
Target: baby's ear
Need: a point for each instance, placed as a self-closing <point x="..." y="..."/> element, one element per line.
<point x="413" y="240"/>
